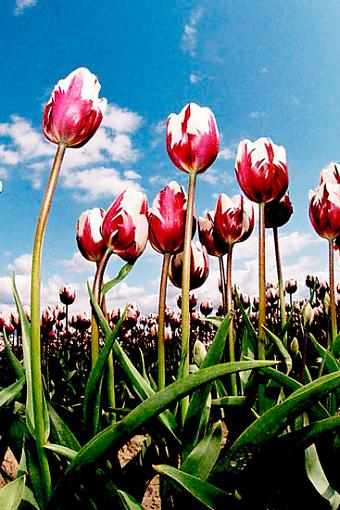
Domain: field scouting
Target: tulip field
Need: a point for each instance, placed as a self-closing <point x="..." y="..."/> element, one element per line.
<point x="236" y="405"/>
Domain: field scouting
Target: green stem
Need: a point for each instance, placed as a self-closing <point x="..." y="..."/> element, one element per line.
<point x="186" y="284"/>
<point x="37" y="388"/>
<point x="262" y="284"/>
<point x="280" y="282"/>
<point x="332" y="292"/>
<point x="223" y="286"/>
<point x="161" y="320"/>
<point x="231" y="335"/>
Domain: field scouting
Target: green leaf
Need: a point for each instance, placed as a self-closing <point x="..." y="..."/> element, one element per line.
<point x="61" y="432"/>
<point x="114" y="436"/>
<point x="330" y="361"/>
<point x="229" y="401"/>
<point x="140" y="385"/>
<point x="318" y="478"/>
<point x="214" y="320"/>
<point x="281" y="348"/>
<point x="194" y="424"/>
<point x="259" y="434"/>
<point x="8" y="394"/>
<point x="205" y="492"/>
<point x="61" y="450"/>
<point x="202" y="458"/>
<point x="247" y="353"/>
<point x="92" y="390"/>
<point x="128" y="501"/>
<point x="29" y="497"/>
<point x="12" y="493"/>
<point x="17" y="366"/>
<point x="121" y="275"/>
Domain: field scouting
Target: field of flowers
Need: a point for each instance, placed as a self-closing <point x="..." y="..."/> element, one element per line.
<point x="237" y="407"/>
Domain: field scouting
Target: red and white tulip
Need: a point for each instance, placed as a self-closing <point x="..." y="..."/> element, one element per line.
<point x="261" y="170"/>
<point x="74" y="111"/>
<point x="199" y="267"/>
<point x="324" y="210"/>
<point x="209" y="237"/>
<point x="192" y="138"/>
<point x="88" y="234"/>
<point x="234" y="218"/>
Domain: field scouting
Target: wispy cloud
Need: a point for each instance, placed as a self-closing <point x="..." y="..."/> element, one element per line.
<point x="21" y="5"/>
<point x="195" y="78"/>
<point x="189" y="36"/>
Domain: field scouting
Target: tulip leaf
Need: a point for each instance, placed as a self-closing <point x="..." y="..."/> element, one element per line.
<point x="332" y="364"/>
<point x="92" y="390"/>
<point x="305" y="436"/>
<point x="16" y="365"/>
<point x="194" y="420"/>
<point x="270" y="424"/>
<point x="229" y="401"/>
<point x="318" y="478"/>
<point x="281" y="348"/>
<point x="247" y="353"/>
<point x="61" y="450"/>
<point x="60" y="432"/>
<point x="128" y="502"/>
<point x="211" y="496"/>
<point x="9" y="393"/>
<point x="117" y="434"/>
<point x="121" y="275"/>
<point x="12" y="493"/>
<point x="202" y="458"/>
<point x="140" y="385"/>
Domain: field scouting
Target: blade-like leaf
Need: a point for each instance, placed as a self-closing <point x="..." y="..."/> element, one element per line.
<point x="202" y="458"/>
<point x="92" y="390"/>
<point x="259" y="434"/>
<point x="17" y="366"/>
<point x="128" y="501"/>
<point x="63" y="451"/>
<point x="281" y="348"/>
<point x="205" y="492"/>
<point x="12" y="493"/>
<point x="114" y="436"/>
<point x="60" y="432"/>
<point x="121" y="275"/>
<point x="318" y="478"/>
<point x="332" y="364"/>
<point x="8" y="394"/>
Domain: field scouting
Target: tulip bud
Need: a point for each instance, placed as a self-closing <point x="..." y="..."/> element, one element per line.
<point x="167" y="334"/>
<point x="307" y="315"/>
<point x="192" y="138"/>
<point x="125" y="225"/>
<point x="74" y="112"/>
<point x="324" y="210"/>
<point x="206" y="307"/>
<point x="88" y="234"/>
<point x="167" y="219"/>
<point x="67" y="295"/>
<point x="200" y="352"/>
<point x="261" y="170"/>
<point x="294" y="346"/>
<point x="278" y="212"/>
<point x="199" y="268"/>
<point x="291" y="286"/>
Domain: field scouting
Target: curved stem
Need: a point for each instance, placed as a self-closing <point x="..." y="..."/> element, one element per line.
<point x="262" y="284"/>
<point x="37" y="388"/>
<point x="280" y="282"/>
<point x="186" y="283"/>
<point x="223" y="285"/>
<point x="231" y="336"/>
<point x="161" y="320"/>
<point x="332" y="293"/>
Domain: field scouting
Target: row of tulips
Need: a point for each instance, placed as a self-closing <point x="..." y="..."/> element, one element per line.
<point x="57" y="466"/>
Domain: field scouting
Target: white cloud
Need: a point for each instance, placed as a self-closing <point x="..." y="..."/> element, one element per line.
<point x="21" y="5"/>
<point x="257" y="115"/>
<point x="195" y="78"/>
<point x="121" y="120"/>
<point x="189" y="36"/>
<point x="78" y="264"/>
<point x="22" y="264"/>
<point x="227" y="153"/>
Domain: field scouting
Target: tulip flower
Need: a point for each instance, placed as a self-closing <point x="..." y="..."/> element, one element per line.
<point x="208" y="236"/>
<point x="234" y="218"/>
<point x="74" y="112"/>
<point x="125" y="225"/>
<point x="192" y="138"/>
<point x="167" y="219"/>
<point x="278" y="212"/>
<point x="261" y="170"/>
<point x="324" y="213"/>
<point x="330" y="174"/>
<point x="199" y="269"/>
<point x="88" y="234"/>
<point x="67" y="295"/>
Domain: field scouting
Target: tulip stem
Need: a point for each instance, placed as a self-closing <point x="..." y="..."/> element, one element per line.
<point x="161" y="320"/>
<point x="223" y="284"/>
<point x="37" y="387"/>
<point x="280" y="282"/>
<point x="186" y="285"/>
<point x="334" y="328"/>
<point x="233" y="379"/>
<point x="262" y="283"/>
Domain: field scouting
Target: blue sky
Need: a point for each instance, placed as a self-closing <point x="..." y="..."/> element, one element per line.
<point x="266" y="68"/>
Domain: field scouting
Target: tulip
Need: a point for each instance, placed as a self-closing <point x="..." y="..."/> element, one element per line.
<point x="291" y="286"/>
<point x="278" y="212"/>
<point x="234" y="219"/>
<point x="199" y="269"/>
<point x="125" y="225"/>
<point x="330" y="174"/>
<point x="209" y="237"/>
<point x="192" y="138"/>
<point x="167" y="219"/>
<point x="324" y="210"/>
<point x="74" y="112"/>
<point x="67" y="295"/>
<point x="88" y="234"/>
<point x="206" y="307"/>
<point x="261" y="170"/>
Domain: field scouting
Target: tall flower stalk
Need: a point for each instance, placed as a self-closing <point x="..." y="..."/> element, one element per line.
<point x="334" y="328"/>
<point x="262" y="284"/>
<point x="161" y="321"/>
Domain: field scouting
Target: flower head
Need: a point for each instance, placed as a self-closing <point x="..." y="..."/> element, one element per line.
<point x="324" y="210"/>
<point x="192" y="138"/>
<point x="199" y="267"/>
<point x="278" y="212"/>
<point x="261" y="170"/>
<point x="74" y="112"/>
<point x="234" y="218"/>
<point x="208" y="236"/>
<point x="88" y="234"/>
